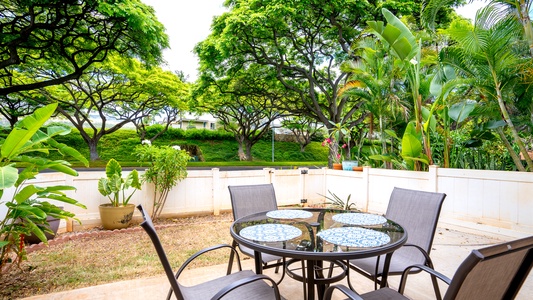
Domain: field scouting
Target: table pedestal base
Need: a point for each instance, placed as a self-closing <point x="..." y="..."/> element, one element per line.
<point x="314" y="274"/>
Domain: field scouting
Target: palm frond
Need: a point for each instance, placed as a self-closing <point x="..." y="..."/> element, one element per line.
<point x="350" y="85"/>
<point x="429" y="11"/>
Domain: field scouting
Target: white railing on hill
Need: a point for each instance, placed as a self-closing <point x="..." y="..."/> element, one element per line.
<point x="501" y="200"/>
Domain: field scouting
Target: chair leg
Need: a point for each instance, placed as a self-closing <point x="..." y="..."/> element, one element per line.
<point x="429" y="263"/>
<point x="376" y="274"/>
<point x="231" y="256"/>
<point x="436" y="288"/>
<point x="373" y="278"/>
<point x="282" y="271"/>
<point x="348" y="276"/>
<point x="375" y="283"/>
<point x="277" y="267"/>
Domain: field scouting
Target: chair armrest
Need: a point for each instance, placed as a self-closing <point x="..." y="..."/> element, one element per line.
<point x="344" y="289"/>
<point x="243" y="282"/>
<point x="426" y="255"/>
<point x="203" y="251"/>
<point x="427" y="269"/>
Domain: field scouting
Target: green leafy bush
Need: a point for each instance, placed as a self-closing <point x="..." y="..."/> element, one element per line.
<point x="214" y="145"/>
<point x="167" y="167"/>
<point x="121" y="150"/>
<point x="204" y="134"/>
<point x="170" y="134"/>
<point x="28" y="206"/>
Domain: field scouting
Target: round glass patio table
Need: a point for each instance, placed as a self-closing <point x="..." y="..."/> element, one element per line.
<point x="317" y="235"/>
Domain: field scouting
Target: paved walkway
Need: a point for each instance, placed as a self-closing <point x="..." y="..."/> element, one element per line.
<point x="452" y="244"/>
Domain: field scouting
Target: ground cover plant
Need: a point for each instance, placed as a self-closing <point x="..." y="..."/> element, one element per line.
<point x="92" y="260"/>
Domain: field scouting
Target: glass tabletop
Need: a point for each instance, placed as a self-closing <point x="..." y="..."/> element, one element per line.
<point x="312" y="232"/>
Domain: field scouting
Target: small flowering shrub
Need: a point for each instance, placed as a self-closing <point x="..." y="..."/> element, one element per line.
<point x="335" y="152"/>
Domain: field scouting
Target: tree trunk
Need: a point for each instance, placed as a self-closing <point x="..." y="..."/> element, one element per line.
<point x="388" y="164"/>
<point x="446" y="150"/>
<point x="371" y="126"/>
<point x="12" y="121"/>
<point x="241" y="154"/>
<point x="509" y="147"/>
<point x="93" y="149"/>
<point x="514" y="133"/>
<point x="248" y="150"/>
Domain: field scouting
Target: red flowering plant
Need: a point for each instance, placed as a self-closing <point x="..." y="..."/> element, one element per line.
<point x="334" y="150"/>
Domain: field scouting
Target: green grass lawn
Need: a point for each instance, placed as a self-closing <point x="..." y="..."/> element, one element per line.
<point x="215" y="152"/>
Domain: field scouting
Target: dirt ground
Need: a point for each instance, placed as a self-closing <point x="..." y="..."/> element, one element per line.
<point x="97" y="256"/>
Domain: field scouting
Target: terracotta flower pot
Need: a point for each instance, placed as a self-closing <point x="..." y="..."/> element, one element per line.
<point x="337" y="166"/>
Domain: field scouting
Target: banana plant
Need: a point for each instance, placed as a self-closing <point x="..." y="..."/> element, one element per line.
<point x="411" y="154"/>
<point x="406" y="48"/>
<point x="28" y="207"/>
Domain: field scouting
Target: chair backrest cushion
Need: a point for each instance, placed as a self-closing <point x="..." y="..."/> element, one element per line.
<point x="418" y="213"/>
<point x="495" y="272"/>
<point x="251" y="199"/>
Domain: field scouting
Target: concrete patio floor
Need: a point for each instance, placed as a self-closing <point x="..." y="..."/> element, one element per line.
<point x="452" y="244"/>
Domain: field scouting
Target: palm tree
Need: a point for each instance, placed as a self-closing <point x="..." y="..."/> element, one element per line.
<point x="489" y="54"/>
<point x="374" y="77"/>
<point x="518" y="9"/>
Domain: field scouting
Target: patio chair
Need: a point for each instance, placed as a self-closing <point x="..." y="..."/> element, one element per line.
<point x="239" y="285"/>
<point x="494" y="272"/>
<point x="418" y="213"/>
<point x="250" y="199"/>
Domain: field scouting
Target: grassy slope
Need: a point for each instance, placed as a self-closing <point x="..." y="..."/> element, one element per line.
<point x="121" y="144"/>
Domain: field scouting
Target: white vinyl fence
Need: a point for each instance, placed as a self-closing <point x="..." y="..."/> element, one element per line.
<point x="497" y="200"/>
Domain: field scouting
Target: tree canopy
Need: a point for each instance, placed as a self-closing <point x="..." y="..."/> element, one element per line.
<point x="67" y="37"/>
<point x="246" y="104"/>
<point x="303" y="43"/>
<point x="113" y="94"/>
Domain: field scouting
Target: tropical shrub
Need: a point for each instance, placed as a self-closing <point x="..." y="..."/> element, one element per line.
<point x="167" y="166"/>
<point x="28" y="208"/>
<point x="114" y="187"/>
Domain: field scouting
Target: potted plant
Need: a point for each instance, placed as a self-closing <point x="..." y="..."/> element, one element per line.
<point x="118" y="213"/>
<point x="342" y="131"/>
<point x="334" y="148"/>
<point x="50" y="230"/>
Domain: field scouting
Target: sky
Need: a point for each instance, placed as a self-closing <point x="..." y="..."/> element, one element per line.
<point x="188" y="22"/>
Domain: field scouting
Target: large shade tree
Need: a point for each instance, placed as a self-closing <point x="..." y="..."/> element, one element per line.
<point x="69" y="36"/>
<point x="303" y="128"/>
<point x="245" y="104"/>
<point x="302" y="42"/>
<point x="114" y="93"/>
<point x="17" y="105"/>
